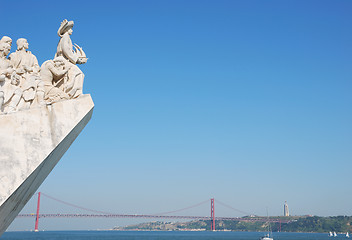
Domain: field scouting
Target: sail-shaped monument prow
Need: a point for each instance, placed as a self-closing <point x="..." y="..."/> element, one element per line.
<point x="31" y="143"/>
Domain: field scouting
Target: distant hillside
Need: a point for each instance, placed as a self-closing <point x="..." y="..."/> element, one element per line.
<point x="299" y="224"/>
<point x="320" y="224"/>
<point x="167" y="226"/>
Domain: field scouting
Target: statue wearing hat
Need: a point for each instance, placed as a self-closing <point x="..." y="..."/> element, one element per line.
<point x="74" y="85"/>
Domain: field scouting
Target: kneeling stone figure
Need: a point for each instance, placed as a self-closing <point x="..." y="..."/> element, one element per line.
<point x="53" y="75"/>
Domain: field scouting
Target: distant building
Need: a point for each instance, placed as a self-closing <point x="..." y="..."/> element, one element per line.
<point x="286" y="212"/>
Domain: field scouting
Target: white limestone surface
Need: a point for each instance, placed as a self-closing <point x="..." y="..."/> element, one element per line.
<point x="31" y="143"/>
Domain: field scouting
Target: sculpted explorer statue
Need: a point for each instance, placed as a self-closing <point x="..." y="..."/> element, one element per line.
<point x="6" y="39"/>
<point x="53" y="75"/>
<point x="74" y="84"/>
<point x="42" y="111"/>
<point x="24" y="84"/>
<point x="10" y="92"/>
<point x="26" y="65"/>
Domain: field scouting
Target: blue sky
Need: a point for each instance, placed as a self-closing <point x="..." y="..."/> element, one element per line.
<point x="248" y="102"/>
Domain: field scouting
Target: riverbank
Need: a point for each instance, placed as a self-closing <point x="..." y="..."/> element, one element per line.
<point x="299" y="224"/>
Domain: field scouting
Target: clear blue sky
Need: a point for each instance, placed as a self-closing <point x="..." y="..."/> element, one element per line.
<point x="248" y="102"/>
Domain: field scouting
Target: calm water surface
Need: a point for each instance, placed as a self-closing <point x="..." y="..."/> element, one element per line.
<point x="131" y="235"/>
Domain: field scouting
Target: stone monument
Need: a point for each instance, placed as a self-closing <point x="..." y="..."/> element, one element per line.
<point x="42" y="111"/>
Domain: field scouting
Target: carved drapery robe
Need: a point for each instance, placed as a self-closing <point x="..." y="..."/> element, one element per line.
<point x="28" y="84"/>
<point x="51" y="76"/>
<point x="24" y="58"/>
<point x="65" y="49"/>
<point x="6" y="86"/>
<point x="74" y="83"/>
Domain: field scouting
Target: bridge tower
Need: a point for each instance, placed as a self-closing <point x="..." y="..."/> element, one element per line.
<point x="212" y="214"/>
<point x="37" y="216"/>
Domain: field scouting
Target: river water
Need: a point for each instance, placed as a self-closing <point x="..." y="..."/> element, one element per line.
<point x="134" y="235"/>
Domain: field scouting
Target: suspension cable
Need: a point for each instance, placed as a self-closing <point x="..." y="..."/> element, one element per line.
<point x="96" y="211"/>
<point x="179" y="210"/>
<point x="228" y="206"/>
<point x="73" y="205"/>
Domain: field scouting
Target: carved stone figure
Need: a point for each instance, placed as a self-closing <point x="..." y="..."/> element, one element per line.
<point x="10" y="92"/>
<point x="22" y="60"/>
<point x="5" y="72"/>
<point x="21" y="77"/>
<point x="53" y="74"/>
<point x="26" y="65"/>
<point x="74" y="85"/>
<point x="6" y="39"/>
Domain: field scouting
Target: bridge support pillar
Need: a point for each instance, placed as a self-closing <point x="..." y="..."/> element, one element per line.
<point x="212" y="214"/>
<point x="37" y="216"/>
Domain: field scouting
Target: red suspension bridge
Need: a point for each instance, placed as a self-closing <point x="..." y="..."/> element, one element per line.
<point x="100" y="214"/>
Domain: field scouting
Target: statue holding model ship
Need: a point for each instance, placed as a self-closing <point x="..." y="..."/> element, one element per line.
<point x="74" y="85"/>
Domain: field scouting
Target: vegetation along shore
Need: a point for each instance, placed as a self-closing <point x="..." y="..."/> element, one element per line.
<point x="339" y="224"/>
